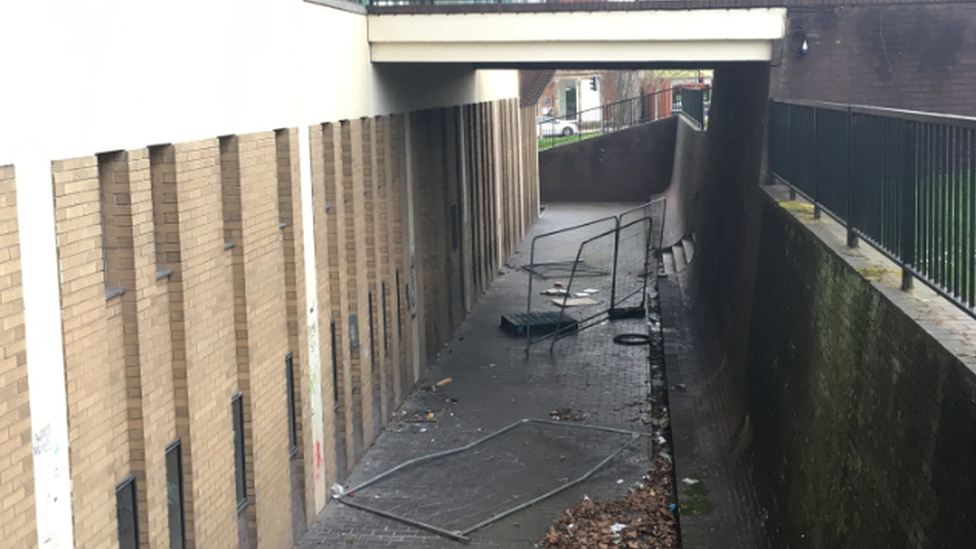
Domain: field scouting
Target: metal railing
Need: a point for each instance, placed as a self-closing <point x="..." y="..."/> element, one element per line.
<point x="530" y="6"/>
<point x="620" y="115"/>
<point x="904" y="181"/>
<point x="692" y="103"/>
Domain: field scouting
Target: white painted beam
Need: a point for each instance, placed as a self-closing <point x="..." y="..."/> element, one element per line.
<point x="567" y="37"/>
<point x="572" y="52"/>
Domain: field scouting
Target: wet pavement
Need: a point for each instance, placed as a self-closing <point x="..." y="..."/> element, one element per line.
<point x="719" y="502"/>
<point x="586" y="380"/>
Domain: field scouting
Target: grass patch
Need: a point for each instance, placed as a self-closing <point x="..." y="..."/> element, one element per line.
<point x="697" y="501"/>
<point x="550" y="142"/>
<point x="796" y="206"/>
<point x="875" y="274"/>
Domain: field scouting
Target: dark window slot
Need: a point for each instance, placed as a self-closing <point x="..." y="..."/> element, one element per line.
<point x="372" y="332"/>
<point x="126" y="512"/>
<point x="335" y="365"/>
<point x="386" y="330"/>
<point x="240" y="473"/>
<point x="174" y="496"/>
<point x="398" y="307"/>
<point x="292" y="412"/>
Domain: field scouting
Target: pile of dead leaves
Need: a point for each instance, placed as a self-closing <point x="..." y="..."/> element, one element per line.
<point x="642" y="520"/>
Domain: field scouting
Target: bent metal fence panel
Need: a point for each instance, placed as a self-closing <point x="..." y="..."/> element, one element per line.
<point x="553" y="259"/>
<point x="517" y="466"/>
<point x="631" y="267"/>
<point x="625" y="251"/>
<point x="606" y="278"/>
<point x="904" y="181"/>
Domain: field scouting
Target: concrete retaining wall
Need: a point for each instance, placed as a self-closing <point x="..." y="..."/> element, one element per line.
<point x="625" y="166"/>
<point x="859" y="420"/>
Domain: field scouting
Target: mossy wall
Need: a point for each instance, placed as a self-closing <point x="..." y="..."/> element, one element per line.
<point x="864" y="424"/>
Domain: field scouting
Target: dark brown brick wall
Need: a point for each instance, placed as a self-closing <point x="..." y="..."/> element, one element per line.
<point x="624" y="166"/>
<point x="919" y="56"/>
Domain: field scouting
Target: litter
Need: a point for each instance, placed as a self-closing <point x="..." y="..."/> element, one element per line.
<point x="690" y="481"/>
<point x="554" y="291"/>
<point x="444" y="382"/>
<point x="575" y="302"/>
<point x="338" y="490"/>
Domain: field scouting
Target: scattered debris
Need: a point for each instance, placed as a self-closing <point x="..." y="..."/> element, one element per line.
<point x="338" y="490"/>
<point x="566" y="414"/>
<point x="554" y="291"/>
<point x="690" y="481"/>
<point x="575" y="302"/>
<point x="645" y="519"/>
<point x="444" y="382"/>
<point x="420" y="417"/>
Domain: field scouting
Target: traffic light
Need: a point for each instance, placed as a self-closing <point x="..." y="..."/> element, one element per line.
<point x="593" y="83"/>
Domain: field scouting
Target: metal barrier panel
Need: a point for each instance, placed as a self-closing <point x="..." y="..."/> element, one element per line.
<point x="589" y="297"/>
<point x="656" y="210"/>
<point x="553" y="258"/>
<point x="518" y="466"/>
<point x="632" y="266"/>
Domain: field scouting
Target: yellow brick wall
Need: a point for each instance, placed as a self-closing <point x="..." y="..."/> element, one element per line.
<point x="209" y="342"/>
<point x="17" y="522"/>
<point x="94" y="353"/>
<point x="200" y="319"/>
<point x="292" y="252"/>
<point x="326" y="192"/>
<point x="148" y="169"/>
<point x="266" y="336"/>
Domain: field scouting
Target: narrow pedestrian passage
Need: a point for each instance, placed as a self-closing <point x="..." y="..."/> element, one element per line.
<point x="482" y="381"/>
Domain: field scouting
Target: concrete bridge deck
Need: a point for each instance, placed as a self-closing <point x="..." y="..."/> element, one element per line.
<point x="591" y="39"/>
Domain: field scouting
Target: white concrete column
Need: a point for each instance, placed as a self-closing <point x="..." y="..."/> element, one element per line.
<point x="45" y="353"/>
<point x="312" y="315"/>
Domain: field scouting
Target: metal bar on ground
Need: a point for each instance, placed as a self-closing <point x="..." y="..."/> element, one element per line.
<point x="347" y="497"/>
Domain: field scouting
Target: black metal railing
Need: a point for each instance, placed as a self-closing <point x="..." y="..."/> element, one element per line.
<point x="692" y="103"/>
<point x="904" y="181"/>
<point x="467" y="6"/>
<point x="620" y="115"/>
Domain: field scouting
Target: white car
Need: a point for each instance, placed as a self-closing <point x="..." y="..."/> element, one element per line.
<point x="552" y="127"/>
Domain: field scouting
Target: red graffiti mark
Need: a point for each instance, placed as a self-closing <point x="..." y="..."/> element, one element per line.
<point x="318" y="455"/>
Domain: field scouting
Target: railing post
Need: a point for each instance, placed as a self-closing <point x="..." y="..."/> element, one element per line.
<point x="851" y="235"/>
<point x="816" y="171"/>
<point x="908" y="208"/>
<point x="789" y="139"/>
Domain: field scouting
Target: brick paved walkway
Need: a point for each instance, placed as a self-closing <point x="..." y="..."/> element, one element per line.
<point x="495" y="384"/>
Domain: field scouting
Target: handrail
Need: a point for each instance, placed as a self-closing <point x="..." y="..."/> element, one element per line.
<point x="905" y="181"/>
<point x="620" y="115"/>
